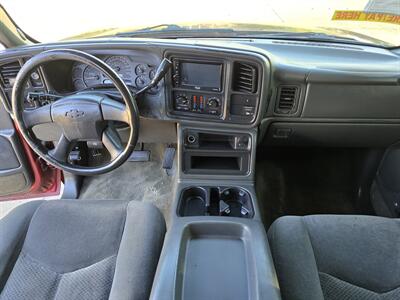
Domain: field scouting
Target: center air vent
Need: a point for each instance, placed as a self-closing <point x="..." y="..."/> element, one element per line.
<point x="8" y="73"/>
<point x="244" y="77"/>
<point x="287" y="99"/>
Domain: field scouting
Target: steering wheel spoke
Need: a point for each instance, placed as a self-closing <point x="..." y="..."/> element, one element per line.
<point x="114" y="111"/>
<point x="112" y="142"/>
<point x="37" y="116"/>
<point x="61" y="150"/>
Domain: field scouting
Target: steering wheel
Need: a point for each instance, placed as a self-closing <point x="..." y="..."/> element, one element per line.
<point x="81" y="116"/>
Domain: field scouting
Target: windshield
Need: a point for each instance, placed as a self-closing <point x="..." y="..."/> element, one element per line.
<point x="373" y="21"/>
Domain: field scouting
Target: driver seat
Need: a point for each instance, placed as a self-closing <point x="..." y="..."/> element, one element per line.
<point x="80" y="250"/>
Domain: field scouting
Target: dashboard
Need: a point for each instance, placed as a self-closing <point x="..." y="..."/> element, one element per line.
<point x="202" y="85"/>
<point x="293" y="92"/>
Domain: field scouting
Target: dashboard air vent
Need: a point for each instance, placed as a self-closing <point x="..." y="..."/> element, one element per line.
<point x="287" y="99"/>
<point x="8" y="72"/>
<point x="244" y="77"/>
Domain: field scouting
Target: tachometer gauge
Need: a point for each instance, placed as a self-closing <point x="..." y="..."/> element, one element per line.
<point x="122" y="65"/>
<point x="77" y="71"/>
<point x="92" y="76"/>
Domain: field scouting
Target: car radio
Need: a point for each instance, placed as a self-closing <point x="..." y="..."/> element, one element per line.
<point x="198" y="86"/>
<point x="197" y="75"/>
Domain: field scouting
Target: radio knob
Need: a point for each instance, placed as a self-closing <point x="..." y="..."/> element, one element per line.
<point x="213" y="102"/>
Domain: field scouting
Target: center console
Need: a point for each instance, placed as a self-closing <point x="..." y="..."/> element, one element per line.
<point x="216" y="246"/>
<point x="211" y="258"/>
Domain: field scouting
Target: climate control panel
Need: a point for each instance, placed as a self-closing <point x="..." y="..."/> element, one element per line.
<point x="200" y="103"/>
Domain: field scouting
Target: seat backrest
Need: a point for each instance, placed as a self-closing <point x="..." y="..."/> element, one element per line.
<point x="72" y="249"/>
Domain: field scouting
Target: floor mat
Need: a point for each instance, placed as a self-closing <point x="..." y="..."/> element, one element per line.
<point x="139" y="181"/>
<point x="307" y="181"/>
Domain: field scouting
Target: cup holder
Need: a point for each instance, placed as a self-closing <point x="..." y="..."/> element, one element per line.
<point x="215" y="201"/>
<point x="193" y="202"/>
<point x="234" y="202"/>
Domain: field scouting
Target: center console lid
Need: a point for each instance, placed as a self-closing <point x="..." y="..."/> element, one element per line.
<point x="216" y="258"/>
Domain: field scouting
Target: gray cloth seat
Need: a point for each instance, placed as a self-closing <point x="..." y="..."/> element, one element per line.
<point x="337" y="257"/>
<point x="80" y="250"/>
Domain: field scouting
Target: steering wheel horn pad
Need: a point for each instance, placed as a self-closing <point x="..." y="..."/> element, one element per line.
<point x="82" y="116"/>
<point x="79" y="117"/>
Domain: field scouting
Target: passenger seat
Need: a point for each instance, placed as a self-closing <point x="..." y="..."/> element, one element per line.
<point x="337" y="257"/>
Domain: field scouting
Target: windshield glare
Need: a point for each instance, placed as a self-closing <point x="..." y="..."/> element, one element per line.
<point x="376" y="21"/>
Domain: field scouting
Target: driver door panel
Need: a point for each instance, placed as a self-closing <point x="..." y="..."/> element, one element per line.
<point x="15" y="173"/>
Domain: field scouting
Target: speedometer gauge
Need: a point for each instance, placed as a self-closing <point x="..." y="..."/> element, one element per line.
<point x="123" y="66"/>
<point x="92" y="76"/>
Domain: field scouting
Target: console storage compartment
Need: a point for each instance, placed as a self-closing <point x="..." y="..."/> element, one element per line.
<point x="215" y="258"/>
<point x="216" y="153"/>
<point x="212" y="262"/>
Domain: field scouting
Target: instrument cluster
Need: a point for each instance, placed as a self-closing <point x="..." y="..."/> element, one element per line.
<point x="134" y="74"/>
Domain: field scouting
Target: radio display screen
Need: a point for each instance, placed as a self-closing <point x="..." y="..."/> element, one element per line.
<point x="201" y="76"/>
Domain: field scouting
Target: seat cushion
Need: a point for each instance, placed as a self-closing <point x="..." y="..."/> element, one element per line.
<point x="88" y="250"/>
<point x="337" y="257"/>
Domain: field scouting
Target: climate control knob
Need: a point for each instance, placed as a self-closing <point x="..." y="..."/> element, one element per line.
<point x="182" y="100"/>
<point x="213" y="103"/>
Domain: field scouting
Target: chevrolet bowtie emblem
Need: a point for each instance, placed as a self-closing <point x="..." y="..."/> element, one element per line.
<point x="74" y="114"/>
